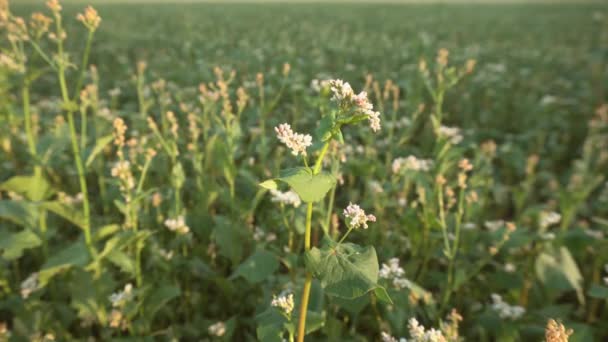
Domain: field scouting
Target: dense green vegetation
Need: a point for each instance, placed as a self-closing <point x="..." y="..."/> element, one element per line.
<point x="141" y="179"/>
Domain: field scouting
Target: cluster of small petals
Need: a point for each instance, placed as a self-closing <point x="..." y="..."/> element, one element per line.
<point x="217" y="329"/>
<point x="90" y="18"/>
<point x="465" y="165"/>
<point x="121" y="298"/>
<point x="283" y="302"/>
<point x="177" y="225"/>
<point x="452" y="134"/>
<point x="556" y="332"/>
<point x="29" y="285"/>
<point x="494" y="225"/>
<point x="120" y="128"/>
<point x="53" y="5"/>
<point x="294" y="141"/>
<point x="505" y="310"/>
<point x="411" y="163"/>
<point x="419" y="334"/>
<point x="356" y="216"/>
<point x="287" y="198"/>
<point x="122" y="171"/>
<point x="392" y="271"/>
<point x="343" y="94"/>
<point x="547" y="219"/>
<point x="386" y="337"/>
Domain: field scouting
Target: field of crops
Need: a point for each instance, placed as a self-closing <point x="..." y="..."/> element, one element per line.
<point x="327" y="172"/>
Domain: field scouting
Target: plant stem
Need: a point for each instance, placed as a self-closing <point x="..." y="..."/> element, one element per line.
<point x="308" y="281"/>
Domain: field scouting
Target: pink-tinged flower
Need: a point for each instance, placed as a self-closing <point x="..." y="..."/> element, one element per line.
<point x="356" y="217"/>
<point x="294" y="141"/>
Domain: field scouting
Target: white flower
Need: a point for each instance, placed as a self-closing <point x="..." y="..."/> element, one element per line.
<point x="287" y="198"/>
<point x="167" y="255"/>
<point x="120" y="298"/>
<point x="469" y="226"/>
<point x="375" y="186"/>
<point x="29" y="285"/>
<point x="494" y="225"/>
<point x="283" y="302"/>
<point x="391" y="270"/>
<point x="294" y="141"/>
<point x="411" y="163"/>
<point x="356" y="216"/>
<point x="451" y="133"/>
<point x="386" y="337"/>
<point x="217" y="329"/>
<point x="549" y="218"/>
<point x="177" y="225"/>
<point x="509" y="267"/>
<point x="505" y="310"/>
<point x="343" y="94"/>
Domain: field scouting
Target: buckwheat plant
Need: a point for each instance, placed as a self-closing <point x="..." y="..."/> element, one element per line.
<point x="345" y="270"/>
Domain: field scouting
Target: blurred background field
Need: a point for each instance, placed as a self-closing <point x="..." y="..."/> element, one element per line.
<point x="529" y="113"/>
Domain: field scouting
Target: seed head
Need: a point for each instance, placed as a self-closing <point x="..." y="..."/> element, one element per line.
<point x="90" y="18"/>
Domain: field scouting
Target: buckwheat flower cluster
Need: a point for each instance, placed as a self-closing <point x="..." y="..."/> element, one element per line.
<point x="505" y="310"/>
<point x="217" y="329"/>
<point x="177" y="225"/>
<point x="356" y="217"/>
<point x="556" y="332"/>
<point x="419" y="334"/>
<point x="295" y="141"/>
<point x="547" y="219"/>
<point x="452" y="134"/>
<point x="344" y="95"/>
<point x="119" y="299"/>
<point x="286" y="198"/>
<point x="411" y="163"/>
<point x="392" y="271"/>
<point x="90" y="18"/>
<point x="54" y="6"/>
<point x="29" y="285"/>
<point x="386" y="337"/>
<point x="39" y="24"/>
<point x="494" y="225"/>
<point x="283" y="302"/>
<point x="122" y="171"/>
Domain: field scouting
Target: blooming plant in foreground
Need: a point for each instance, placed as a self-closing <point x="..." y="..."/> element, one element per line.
<point x="345" y="270"/>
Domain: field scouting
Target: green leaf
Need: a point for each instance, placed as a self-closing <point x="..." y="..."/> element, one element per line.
<point x="13" y="245"/>
<point x="326" y="130"/>
<point x="67" y="212"/>
<point x="100" y="144"/>
<point x="270" y="325"/>
<point x="346" y="270"/>
<point x="269" y="184"/>
<point x="122" y="261"/>
<point x="32" y="187"/>
<point x="160" y="297"/>
<point x="310" y="188"/>
<point x="19" y="212"/>
<point x="76" y="255"/>
<point x="557" y="269"/>
<point x="382" y="295"/>
<point x="229" y="238"/>
<point x="257" y="267"/>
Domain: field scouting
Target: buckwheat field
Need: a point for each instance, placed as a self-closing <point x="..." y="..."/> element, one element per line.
<point x="303" y="172"/>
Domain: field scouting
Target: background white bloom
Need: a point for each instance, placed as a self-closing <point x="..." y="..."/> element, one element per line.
<point x="288" y="198"/>
<point x="547" y="219"/>
<point x="120" y="298"/>
<point x="217" y="329"/>
<point x="177" y="225"/>
<point x="505" y="310"/>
